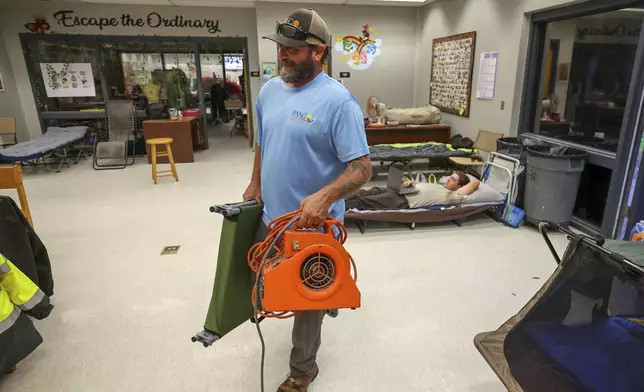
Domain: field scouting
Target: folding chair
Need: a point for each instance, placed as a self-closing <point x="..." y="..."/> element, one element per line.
<point x="486" y="142"/>
<point x="235" y="105"/>
<point x="121" y="119"/>
<point x="8" y="128"/>
<point x="11" y="178"/>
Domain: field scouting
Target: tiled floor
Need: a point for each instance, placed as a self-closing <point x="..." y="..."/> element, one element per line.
<point x="124" y="314"/>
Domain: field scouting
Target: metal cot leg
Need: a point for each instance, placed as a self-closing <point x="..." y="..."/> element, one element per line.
<point x="362" y="225"/>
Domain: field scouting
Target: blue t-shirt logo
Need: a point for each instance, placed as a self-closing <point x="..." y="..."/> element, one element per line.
<point x="303" y="117"/>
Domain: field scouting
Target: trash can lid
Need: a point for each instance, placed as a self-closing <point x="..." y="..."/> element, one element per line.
<point x="510" y="139"/>
<point x="556" y="152"/>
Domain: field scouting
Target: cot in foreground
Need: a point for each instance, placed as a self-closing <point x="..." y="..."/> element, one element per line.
<point x="583" y="330"/>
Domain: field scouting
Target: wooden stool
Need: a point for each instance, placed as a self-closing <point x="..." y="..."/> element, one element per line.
<point x="167" y="153"/>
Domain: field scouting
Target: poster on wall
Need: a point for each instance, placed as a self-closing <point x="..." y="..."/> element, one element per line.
<point x="360" y="52"/>
<point x="68" y="79"/>
<point x="269" y="70"/>
<point x="486" y="87"/>
<point x="451" y="75"/>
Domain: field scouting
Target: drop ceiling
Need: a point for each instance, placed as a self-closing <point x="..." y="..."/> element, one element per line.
<point x="252" y="3"/>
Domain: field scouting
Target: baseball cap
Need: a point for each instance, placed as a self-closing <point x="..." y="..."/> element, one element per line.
<point x="302" y="27"/>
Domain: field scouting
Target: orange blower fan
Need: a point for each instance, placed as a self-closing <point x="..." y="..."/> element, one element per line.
<point x="298" y="270"/>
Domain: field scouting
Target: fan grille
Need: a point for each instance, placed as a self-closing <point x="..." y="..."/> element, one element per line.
<point x="317" y="271"/>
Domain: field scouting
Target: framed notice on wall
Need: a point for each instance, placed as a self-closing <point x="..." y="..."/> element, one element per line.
<point x="450" y="86"/>
<point x="68" y="79"/>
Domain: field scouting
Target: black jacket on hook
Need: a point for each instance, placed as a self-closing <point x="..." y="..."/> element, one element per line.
<point x="20" y="244"/>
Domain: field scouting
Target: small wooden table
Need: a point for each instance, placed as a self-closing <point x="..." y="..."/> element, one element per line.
<point x="439" y="133"/>
<point x="181" y="131"/>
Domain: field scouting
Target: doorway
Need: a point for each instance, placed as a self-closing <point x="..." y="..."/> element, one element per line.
<point x="583" y="90"/>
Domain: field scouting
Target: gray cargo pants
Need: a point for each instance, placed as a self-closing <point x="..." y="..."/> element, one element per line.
<point x="377" y="198"/>
<point x="307" y="332"/>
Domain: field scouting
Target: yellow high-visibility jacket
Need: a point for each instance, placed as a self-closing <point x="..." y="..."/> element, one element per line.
<point x="19" y="294"/>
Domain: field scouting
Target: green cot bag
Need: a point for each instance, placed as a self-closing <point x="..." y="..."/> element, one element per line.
<point x="231" y="303"/>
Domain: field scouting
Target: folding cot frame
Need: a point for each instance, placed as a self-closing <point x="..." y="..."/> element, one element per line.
<point x="451" y="213"/>
<point x="61" y="153"/>
<point x="385" y="163"/>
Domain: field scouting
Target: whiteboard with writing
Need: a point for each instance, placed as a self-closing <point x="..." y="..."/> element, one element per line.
<point x="68" y="79"/>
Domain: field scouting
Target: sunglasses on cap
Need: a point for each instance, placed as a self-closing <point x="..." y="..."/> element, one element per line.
<point x="290" y="31"/>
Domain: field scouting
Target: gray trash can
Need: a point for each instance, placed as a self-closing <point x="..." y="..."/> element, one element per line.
<point x="552" y="182"/>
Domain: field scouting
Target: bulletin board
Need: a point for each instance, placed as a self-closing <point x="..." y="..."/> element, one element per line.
<point x="451" y="75"/>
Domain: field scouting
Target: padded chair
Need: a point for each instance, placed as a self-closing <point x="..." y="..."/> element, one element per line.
<point x="8" y="135"/>
<point x="11" y="178"/>
<point x="121" y="124"/>
<point x="486" y="142"/>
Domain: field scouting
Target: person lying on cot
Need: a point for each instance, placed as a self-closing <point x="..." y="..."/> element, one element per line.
<point x="458" y="186"/>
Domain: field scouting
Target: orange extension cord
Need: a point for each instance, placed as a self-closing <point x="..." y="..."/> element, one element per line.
<point x="259" y="253"/>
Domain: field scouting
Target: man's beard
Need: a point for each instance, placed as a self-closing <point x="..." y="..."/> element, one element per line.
<point x="298" y="72"/>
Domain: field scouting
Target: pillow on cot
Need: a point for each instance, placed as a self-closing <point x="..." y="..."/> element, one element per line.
<point x="485" y="194"/>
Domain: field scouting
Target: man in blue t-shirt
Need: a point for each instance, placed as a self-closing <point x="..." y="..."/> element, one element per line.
<point x="312" y="153"/>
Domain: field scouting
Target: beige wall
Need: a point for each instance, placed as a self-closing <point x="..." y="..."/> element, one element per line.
<point x="232" y="21"/>
<point x="9" y="103"/>
<point x="501" y="25"/>
<point x="399" y="76"/>
<point x="391" y="77"/>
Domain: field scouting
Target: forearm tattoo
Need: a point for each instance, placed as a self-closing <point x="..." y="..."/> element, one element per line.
<point x="358" y="173"/>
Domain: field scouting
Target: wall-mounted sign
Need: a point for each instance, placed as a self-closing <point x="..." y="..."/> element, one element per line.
<point x="486" y="88"/>
<point x="589" y="31"/>
<point x="68" y="79"/>
<point x="345" y="75"/>
<point x="360" y="52"/>
<point x="154" y="20"/>
<point x="254" y="74"/>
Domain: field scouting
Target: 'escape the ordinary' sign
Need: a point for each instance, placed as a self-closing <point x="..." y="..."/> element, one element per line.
<point x="154" y="20"/>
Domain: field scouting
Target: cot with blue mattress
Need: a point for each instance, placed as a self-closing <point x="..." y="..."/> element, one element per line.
<point x="604" y="356"/>
<point x="583" y="330"/>
<point x="52" y="144"/>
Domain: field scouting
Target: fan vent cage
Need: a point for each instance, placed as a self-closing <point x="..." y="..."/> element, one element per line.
<point x="317" y="271"/>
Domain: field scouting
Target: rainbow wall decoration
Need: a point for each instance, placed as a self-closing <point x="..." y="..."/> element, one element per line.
<point x="360" y="52"/>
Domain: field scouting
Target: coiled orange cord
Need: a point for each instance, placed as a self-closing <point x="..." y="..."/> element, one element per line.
<point x="260" y="253"/>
